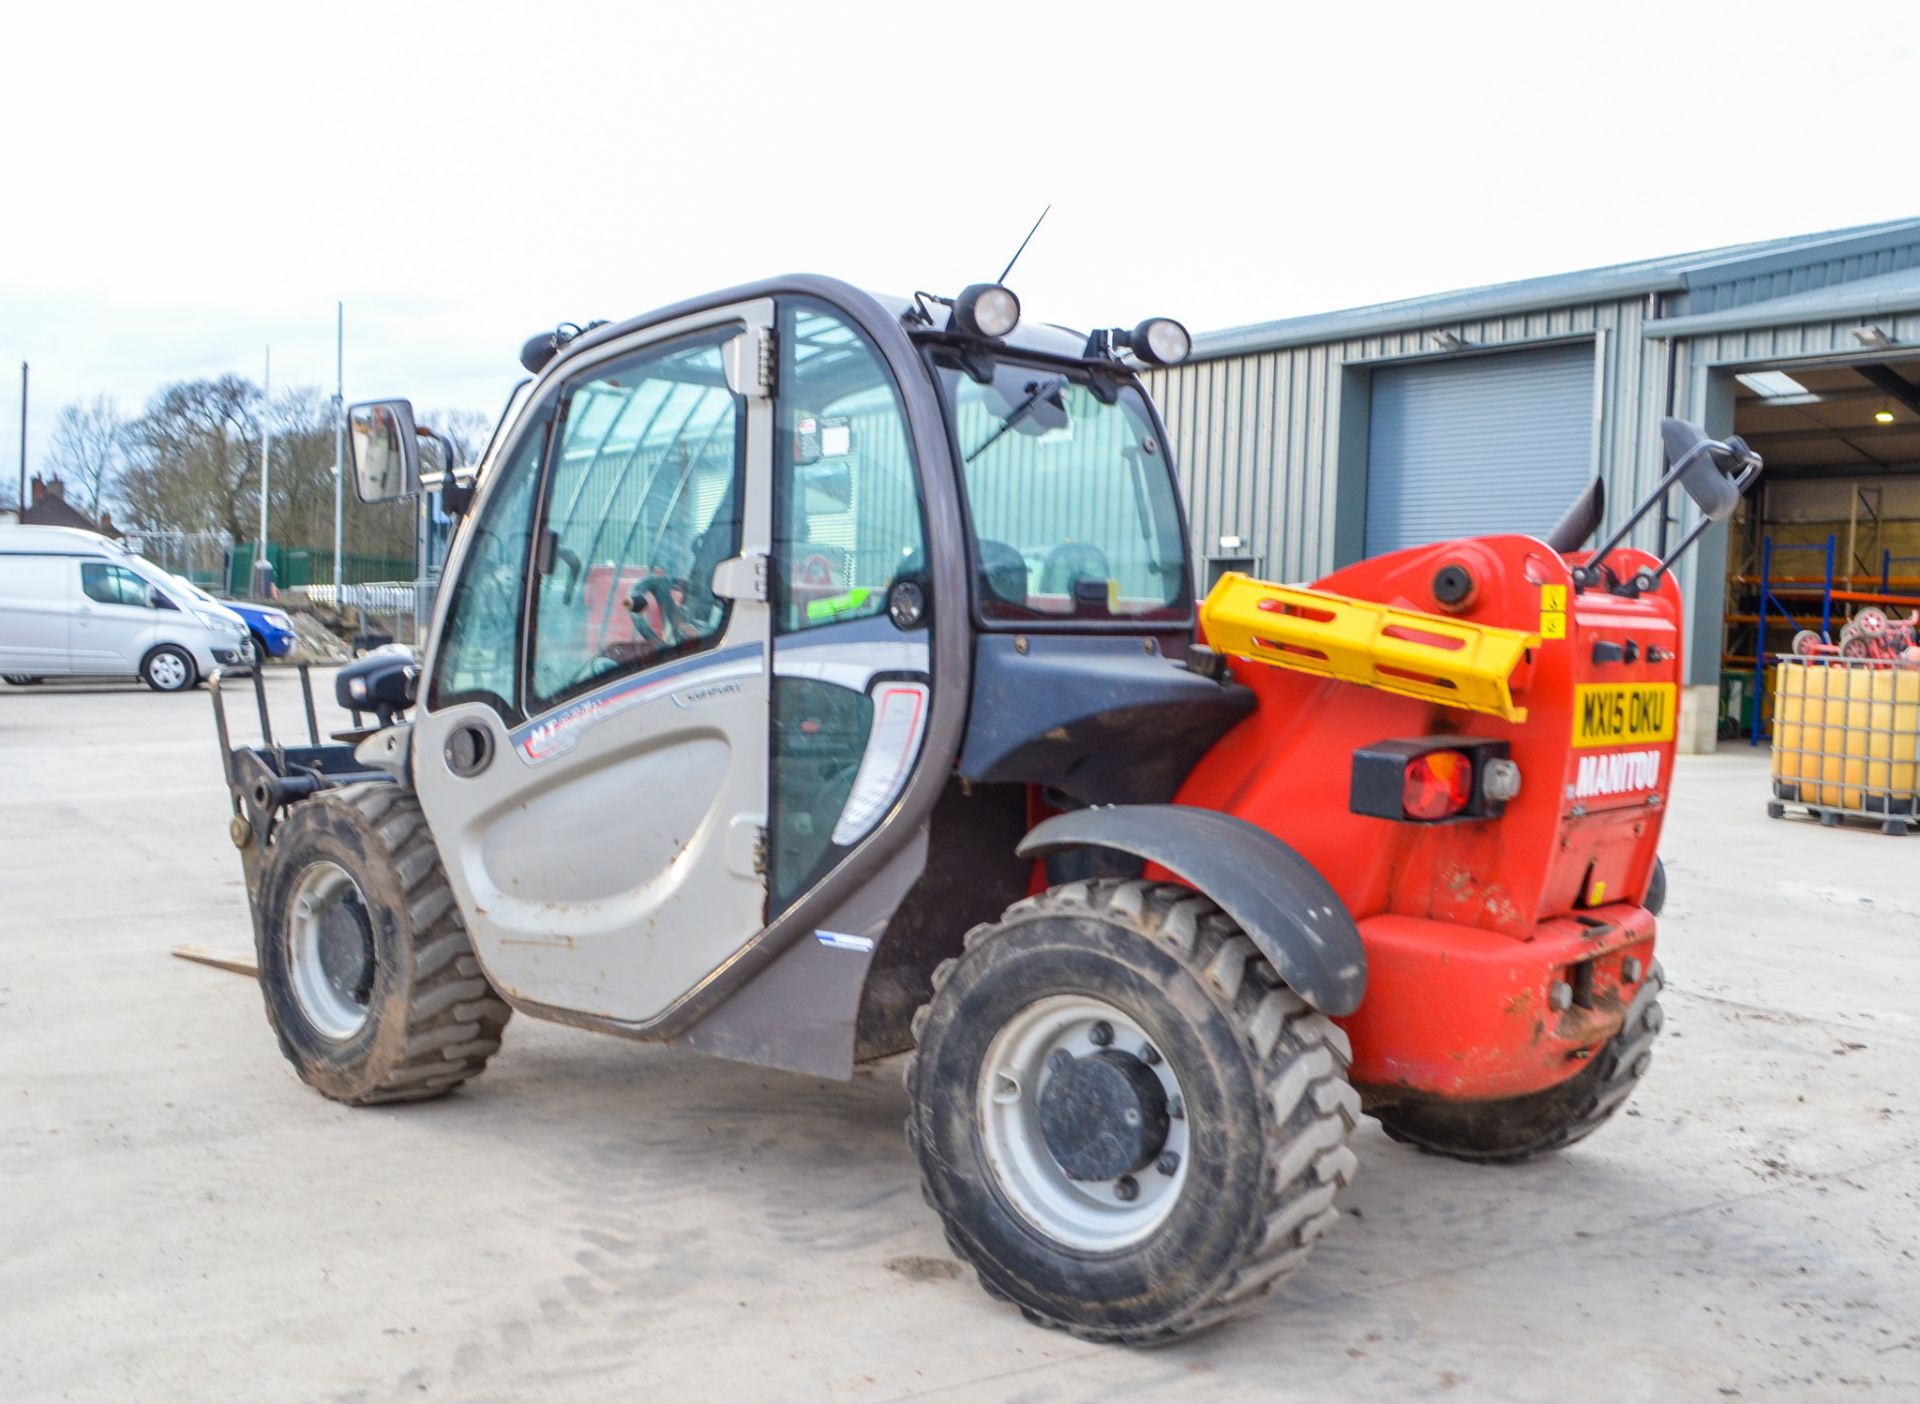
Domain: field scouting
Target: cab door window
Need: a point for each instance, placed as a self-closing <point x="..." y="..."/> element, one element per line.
<point x="846" y="496"/>
<point x="478" y="651"/>
<point x="112" y="584"/>
<point x="642" y="501"/>
<point x="848" y="528"/>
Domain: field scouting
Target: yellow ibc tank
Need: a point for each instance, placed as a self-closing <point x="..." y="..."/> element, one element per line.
<point x="1902" y="686"/>
<point x="1856" y="730"/>
<point x="1847" y="736"/>
<point x="1809" y="730"/>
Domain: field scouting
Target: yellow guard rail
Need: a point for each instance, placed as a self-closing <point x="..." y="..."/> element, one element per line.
<point x="1405" y="651"/>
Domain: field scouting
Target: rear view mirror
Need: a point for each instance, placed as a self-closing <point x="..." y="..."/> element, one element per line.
<point x="1710" y="477"/>
<point x="386" y="449"/>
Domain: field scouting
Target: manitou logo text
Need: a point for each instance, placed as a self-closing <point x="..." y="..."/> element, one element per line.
<point x="1617" y="774"/>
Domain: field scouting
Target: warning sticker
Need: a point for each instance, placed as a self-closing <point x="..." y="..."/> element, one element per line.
<point x="1553" y="611"/>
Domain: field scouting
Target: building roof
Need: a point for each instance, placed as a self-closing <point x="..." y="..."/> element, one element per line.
<point x="1738" y="272"/>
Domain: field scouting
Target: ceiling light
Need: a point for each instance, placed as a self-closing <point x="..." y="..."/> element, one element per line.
<point x="1772" y="385"/>
<point x="1883" y="416"/>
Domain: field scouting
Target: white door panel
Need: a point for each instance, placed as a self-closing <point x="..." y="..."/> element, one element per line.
<point x="609" y="857"/>
<point x="34" y="607"/>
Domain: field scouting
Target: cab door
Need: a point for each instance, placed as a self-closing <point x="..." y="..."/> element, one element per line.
<point x="592" y="749"/>
<point x="112" y="619"/>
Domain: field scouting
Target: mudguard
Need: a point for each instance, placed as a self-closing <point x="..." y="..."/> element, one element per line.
<point x="1290" y="912"/>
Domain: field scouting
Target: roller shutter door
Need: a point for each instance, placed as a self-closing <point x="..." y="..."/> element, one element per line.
<point x="1478" y="445"/>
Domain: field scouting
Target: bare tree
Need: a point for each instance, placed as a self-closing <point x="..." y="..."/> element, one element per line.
<point x="468" y="429"/>
<point x="89" y="448"/>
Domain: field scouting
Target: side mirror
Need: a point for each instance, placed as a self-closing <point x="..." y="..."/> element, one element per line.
<point x="1710" y="477"/>
<point x="386" y="449"/>
<point x="456" y="498"/>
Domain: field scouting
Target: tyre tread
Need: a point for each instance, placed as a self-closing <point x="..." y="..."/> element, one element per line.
<point x="454" y="1021"/>
<point x="1308" y="1108"/>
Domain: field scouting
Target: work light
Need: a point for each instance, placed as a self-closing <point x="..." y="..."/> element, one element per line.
<point x="1160" y="341"/>
<point x="986" y="309"/>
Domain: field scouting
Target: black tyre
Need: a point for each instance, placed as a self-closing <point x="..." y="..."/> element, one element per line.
<point x="1131" y="1129"/>
<point x="169" y="669"/>
<point x="1657" y="887"/>
<point x="369" y="979"/>
<point x="261" y="654"/>
<point x="1513" y="1129"/>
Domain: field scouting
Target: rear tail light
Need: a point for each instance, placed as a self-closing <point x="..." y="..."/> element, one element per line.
<point x="1434" y="779"/>
<point x="1438" y="785"/>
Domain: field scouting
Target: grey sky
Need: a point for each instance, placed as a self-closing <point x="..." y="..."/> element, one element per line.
<point x="186" y="183"/>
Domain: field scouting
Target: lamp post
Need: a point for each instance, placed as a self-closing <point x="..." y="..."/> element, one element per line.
<point x="261" y="568"/>
<point x="339" y="440"/>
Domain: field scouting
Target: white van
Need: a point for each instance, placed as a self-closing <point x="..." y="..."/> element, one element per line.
<point x="77" y="604"/>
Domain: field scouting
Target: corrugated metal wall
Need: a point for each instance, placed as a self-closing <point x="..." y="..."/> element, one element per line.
<point x="1257" y="438"/>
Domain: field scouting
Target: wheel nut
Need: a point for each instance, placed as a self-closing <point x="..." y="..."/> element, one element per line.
<point x="1168" y="1162"/>
<point x="1101" y="1034"/>
<point x="1630" y="971"/>
<point x="1126" y="1189"/>
<point x="1560" y="996"/>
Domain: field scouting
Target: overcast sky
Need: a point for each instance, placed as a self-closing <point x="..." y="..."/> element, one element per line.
<point x="186" y="183"/>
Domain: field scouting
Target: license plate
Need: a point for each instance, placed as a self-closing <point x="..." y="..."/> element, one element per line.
<point x="1618" y="714"/>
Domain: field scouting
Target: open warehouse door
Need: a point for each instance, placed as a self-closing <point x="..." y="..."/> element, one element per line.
<point x="1833" y="530"/>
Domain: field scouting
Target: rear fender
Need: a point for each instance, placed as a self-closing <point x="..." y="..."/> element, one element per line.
<point x="1290" y="912"/>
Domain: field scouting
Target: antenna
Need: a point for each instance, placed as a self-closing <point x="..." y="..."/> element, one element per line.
<point x="1023" y="246"/>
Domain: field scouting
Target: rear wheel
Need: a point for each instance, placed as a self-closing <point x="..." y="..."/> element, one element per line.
<point x="169" y="669"/>
<point x="1512" y="1129"/>
<point x="369" y="979"/>
<point x="1131" y="1129"/>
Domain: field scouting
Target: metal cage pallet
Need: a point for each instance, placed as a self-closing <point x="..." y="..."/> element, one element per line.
<point x="1846" y="741"/>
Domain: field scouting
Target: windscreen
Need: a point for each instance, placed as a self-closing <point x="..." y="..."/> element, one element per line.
<point x="1069" y="491"/>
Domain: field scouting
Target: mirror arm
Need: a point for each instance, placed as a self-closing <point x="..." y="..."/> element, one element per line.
<point x="1646" y="580"/>
<point x="1588" y="575"/>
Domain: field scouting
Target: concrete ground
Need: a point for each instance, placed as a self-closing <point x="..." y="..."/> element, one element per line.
<point x="180" y="1218"/>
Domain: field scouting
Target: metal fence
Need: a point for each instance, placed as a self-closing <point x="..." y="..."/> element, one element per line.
<point x="199" y="556"/>
<point x="297" y="567"/>
<point x="401" y="609"/>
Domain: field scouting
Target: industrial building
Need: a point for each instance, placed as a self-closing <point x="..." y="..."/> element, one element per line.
<point x="1311" y="442"/>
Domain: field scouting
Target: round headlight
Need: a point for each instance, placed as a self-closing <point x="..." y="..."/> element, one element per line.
<point x="986" y="309"/>
<point x="1161" y="341"/>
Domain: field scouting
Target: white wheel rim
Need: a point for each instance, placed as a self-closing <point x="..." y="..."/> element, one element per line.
<point x="325" y="978"/>
<point x="1091" y="1216"/>
<point x="167" y="672"/>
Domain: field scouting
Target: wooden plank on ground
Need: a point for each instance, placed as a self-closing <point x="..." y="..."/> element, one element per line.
<point x="238" y="964"/>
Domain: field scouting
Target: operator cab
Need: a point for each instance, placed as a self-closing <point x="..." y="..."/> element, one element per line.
<point x="750" y="584"/>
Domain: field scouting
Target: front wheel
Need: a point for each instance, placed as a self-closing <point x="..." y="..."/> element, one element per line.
<point x="169" y="669"/>
<point x="1512" y="1129"/>
<point x="366" y="969"/>
<point x="1130" y="1127"/>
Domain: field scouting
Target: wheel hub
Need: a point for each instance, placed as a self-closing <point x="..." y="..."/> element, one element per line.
<point x="330" y="951"/>
<point x="1104" y="1115"/>
<point x="1083" y="1123"/>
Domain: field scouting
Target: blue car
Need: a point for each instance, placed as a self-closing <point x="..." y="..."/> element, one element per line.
<point x="272" y="631"/>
